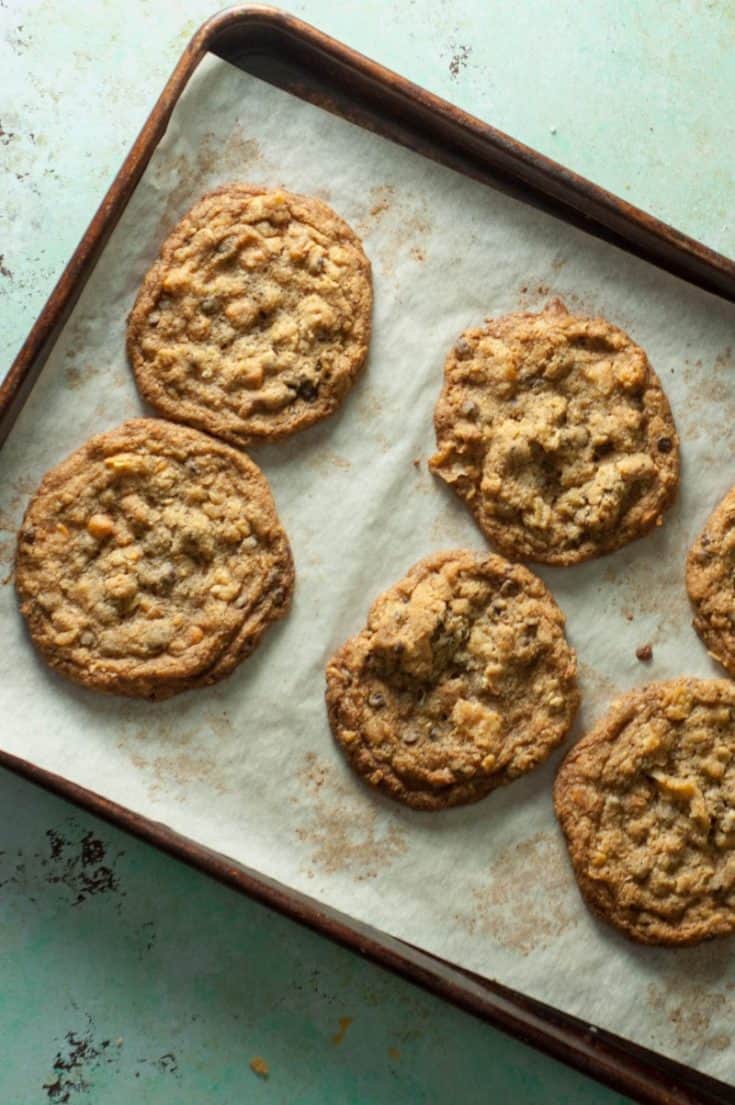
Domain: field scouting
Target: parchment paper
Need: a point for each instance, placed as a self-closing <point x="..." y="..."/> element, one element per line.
<point x="248" y="767"/>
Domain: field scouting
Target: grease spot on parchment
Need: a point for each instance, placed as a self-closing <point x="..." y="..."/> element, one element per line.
<point x="408" y="222"/>
<point x="530" y="900"/>
<point x="343" y="831"/>
<point x="18" y="493"/>
<point x="169" y="752"/>
<point x="443" y="529"/>
<point x="690" y="999"/>
<point x="369" y="410"/>
<point x="368" y="403"/>
<point x="708" y="388"/>
<point x="77" y="375"/>
<point x="598" y="691"/>
<point x="183" y="178"/>
<point x="380" y="198"/>
<point x="326" y="460"/>
<point x="80" y="367"/>
<point x="654" y="584"/>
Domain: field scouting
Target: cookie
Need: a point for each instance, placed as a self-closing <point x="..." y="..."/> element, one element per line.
<point x="255" y="319"/>
<point x="557" y="434"/>
<point x="647" y="804"/>
<point x="710" y="578"/>
<point x="151" y="560"/>
<point x="461" y="681"/>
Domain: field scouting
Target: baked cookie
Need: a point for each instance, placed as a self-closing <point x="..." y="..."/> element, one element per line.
<point x="255" y="319"/>
<point x="557" y="434"/>
<point x="151" y="560"/>
<point x="647" y="804"/>
<point x="461" y="681"/>
<point x="710" y="579"/>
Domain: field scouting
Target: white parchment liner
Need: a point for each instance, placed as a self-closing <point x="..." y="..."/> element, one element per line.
<point x="248" y="767"/>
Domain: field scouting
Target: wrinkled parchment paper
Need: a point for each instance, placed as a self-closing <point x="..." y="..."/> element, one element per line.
<point x="248" y="767"/>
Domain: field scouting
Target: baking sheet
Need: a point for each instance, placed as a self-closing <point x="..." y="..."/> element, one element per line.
<point x="248" y="767"/>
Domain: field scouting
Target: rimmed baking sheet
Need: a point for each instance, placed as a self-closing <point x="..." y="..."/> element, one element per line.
<point x="248" y="767"/>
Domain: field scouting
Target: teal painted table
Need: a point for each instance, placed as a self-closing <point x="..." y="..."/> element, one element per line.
<point x="125" y="976"/>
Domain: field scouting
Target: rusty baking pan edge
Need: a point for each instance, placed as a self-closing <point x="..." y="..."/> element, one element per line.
<point x="289" y="53"/>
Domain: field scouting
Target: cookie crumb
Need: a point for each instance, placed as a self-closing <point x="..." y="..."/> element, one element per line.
<point x="344" y="1024"/>
<point x="644" y="653"/>
<point x="628" y="615"/>
<point x="259" y="1067"/>
<point x="416" y="462"/>
<point x="394" y="1053"/>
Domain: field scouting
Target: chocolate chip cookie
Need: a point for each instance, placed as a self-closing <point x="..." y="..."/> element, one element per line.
<point x="647" y="804"/>
<point x="151" y="560"/>
<point x="711" y="582"/>
<point x="255" y="319"/>
<point x="557" y="434"/>
<point x="461" y="681"/>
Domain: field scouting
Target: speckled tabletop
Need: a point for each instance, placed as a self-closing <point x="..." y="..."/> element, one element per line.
<point x="126" y="976"/>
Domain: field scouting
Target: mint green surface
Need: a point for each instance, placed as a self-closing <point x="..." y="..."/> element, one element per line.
<point x="125" y="977"/>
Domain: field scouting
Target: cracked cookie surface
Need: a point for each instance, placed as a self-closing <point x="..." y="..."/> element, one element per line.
<point x="710" y="578"/>
<point x="557" y="434"/>
<point x="647" y="804"/>
<point x="461" y="681"/>
<point x="151" y="560"/>
<point x="255" y="319"/>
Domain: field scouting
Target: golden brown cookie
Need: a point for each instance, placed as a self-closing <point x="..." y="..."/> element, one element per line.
<point x="151" y="560"/>
<point x="255" y="319"/>
<point x="711" y="582"/>
<point x="647" y="804"/>
<point x="557" y="434"/>
<point x="461" y="681"/>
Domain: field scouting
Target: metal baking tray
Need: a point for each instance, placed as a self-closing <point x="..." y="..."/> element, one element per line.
<point x="290" y="54"/>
